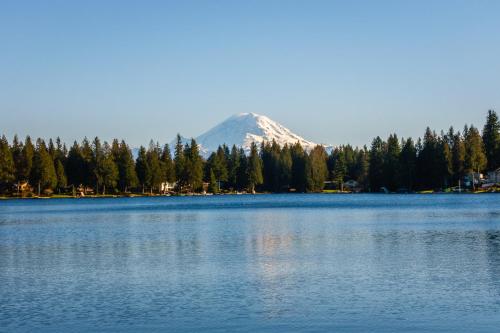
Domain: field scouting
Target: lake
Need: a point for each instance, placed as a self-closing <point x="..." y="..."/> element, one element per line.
<point x="263" y="263"/>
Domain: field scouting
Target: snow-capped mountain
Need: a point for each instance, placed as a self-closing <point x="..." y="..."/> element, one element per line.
<point x="243" y="129"/>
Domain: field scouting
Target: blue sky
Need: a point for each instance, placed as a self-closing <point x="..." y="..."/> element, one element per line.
<point x="333" y="72"/>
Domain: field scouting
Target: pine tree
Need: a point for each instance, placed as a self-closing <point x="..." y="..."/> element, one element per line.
<point x="298" y="181"/>
<point x="213" y="186"/>
<point x="61" y="176"/>
<point x="458" y="157"/>
<point x="167" y="165"/>
<point x="17" y="156"/>
<point x="142" y="168"/>
<point x="285" y="168"/>
<point x="242" y="180"/>
<point x="75" y="166"/>
<point x="475" y="158"/>
<point x="7" y="167"/>
<point x="391" y="163"/>
<point x="87" y="170"/>
<point x="193" y="166"/>
<point x="43" y="171"/>
<point x="491" y="140"/>
<point x="254" y="170"/>
<point x="375" y="170"/>
<point x="156" y="172"/>
<point x="316" y="169"/>
<point x="26" y="163"/>
<point x="233" y="166"/>
<point x="179" y="163"/>
<point x="107" y="170"/>
<point x="127" y="177"/>
<point x="407" y="164"/>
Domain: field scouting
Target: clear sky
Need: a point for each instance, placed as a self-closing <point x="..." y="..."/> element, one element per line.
<point x="333" y="72"/>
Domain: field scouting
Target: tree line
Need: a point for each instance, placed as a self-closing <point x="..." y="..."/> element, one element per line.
<point x="436" y="161"/>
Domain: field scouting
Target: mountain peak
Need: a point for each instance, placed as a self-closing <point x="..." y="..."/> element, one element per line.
<point x="244" y="128"/>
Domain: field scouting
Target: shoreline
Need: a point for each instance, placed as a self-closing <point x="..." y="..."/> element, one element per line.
<point x="119" y="196"/>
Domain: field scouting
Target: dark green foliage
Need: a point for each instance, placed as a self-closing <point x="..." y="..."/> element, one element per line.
<point x="167" y="165"/>
<point x="375" y="171"/>
<point x="408" y="164"/>
<point x="299" y="157"/>
<point x="316" y="170"/>
<point x="193" y="167"/>
<point x="475" y="158"/>
<point x="213" y="186"/>
<point x="156" y="175"/>
<point x="491" y="140"/>
<point x="62" y="181"/>
<point x="391" y="163"/>
<point x="7" y="167"/>
<point x="43" y="171"/>
<point x="254" y="169"/>
<point x="142" y="168"/>
<point x="434" y="162"/>
<point x="179" y="162"/>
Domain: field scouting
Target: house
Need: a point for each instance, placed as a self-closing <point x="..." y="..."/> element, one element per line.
<point x="167" y="187"/>
<point x="494" y="176"/>
<point x="478" y="179"/>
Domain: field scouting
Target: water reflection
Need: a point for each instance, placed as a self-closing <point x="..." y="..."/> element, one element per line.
<point x="382" y="263"/>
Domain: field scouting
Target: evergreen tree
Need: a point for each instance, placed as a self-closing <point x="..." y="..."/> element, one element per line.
<point x="428" y="173"/>
<point x="242" y="180"/>
<point x="254" y="170"/>
<point x="193" y="166"/>
<point x="26" y="162"/>
<point x="154" y="165"/>
<point x="491" y="140"/>
<point x="43" y="171"/>
<point x="167" y="165"/>
<point x="74" y="165"/>
<point x="17" y="157"/>
<point x="458" y="157"/>
<point x="107" y="172"/>
<point x="142" y="168"/>
<point x="391" y="163"/>
<point x="213" y="186"/>
<point x="337" y="165"/>
<point x="316" y="169"/>
<point x="475" y="158"/>
<point x="285" y="168"/>
<point x="61" y="175"/>
<point x="375" y="170"/>
<point x="407" y="164"/>
<point x="7" y="167"/>
<point x="445" y="161"/>
<point x="127" y="177"/>
<point x="233" y="166"/>
<point x="87" y="171"/>
<point x="179" y="163"/>
<point x="299" y="157"/>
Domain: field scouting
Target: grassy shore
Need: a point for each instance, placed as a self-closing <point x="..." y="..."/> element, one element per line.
<point x="134" y="195"/>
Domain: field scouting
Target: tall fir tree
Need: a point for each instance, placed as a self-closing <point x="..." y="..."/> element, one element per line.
<point x="43" y="172"/>
<point x="254" y="169"/>
<point x="407" y="164"/>
<point x="491" y="140"/>
<point x="7" y="167"/>
<point x="391" y="163"/>
<point x="142" y="168"/>
<point x="316" y="169"/>
<point x="375" y="170"/>
<point x="475" y="158"/>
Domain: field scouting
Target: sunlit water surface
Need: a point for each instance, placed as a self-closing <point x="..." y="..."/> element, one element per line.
<point x="265" y="263"/>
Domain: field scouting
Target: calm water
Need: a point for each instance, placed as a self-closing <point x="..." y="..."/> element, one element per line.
<point x="268" y="263"/>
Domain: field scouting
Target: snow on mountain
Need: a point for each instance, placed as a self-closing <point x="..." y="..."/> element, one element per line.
<point x="243" y="129"/>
